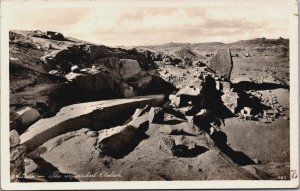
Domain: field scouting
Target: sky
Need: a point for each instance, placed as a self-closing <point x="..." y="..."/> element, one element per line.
<point x="151" y="24"/>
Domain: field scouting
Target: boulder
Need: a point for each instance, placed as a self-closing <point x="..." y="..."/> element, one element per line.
<point x="75" y="68"/>
<point x="271" y="113"/>
<point x="165" y="116"/>
<point x="128" y="68"/>
<point x="226" y="86"/>
<point x="27" y="116"/>
<point x="55" y="36"/>
<point x="17" y="152"/>
<point x="247" y="55"/>
<point x="189" y="91"/>
<point x="72" y="76"/>
<point x="127" y="91"/>
<point x="186" y="146"/>
<point x="152" y="85"/>
<point x="231" y="101"/>
<point x="246" y="113"/>
<point x="140" y="118"/>
<point x="174" y="100"/>
<point x="187" y="96"/>
<point x="117" y="140"/>
<point x="143" y="83"/>
<point x="221" y="63"/>
<point x="14" y="138"/>
<point x="192" y="142"/>
<point x="64" y="58"/>
<point x="182" y="128"/>
<point x="94" y="84"/>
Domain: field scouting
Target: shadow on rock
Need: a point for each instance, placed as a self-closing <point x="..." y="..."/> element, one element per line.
<point x="223" y="112"/>
<point x="183" y="151"/>
<point x="51" y="173"/>
<point x="119" y="141"/>
<point x="220" y="138"/>
<point x="140" y="136"/>
<point x="246" y="86"/>
<point x="247" y="100"/>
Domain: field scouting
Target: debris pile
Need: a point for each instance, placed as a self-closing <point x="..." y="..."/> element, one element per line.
<point x="17" y="156"/>
<point x="270" y="111"/>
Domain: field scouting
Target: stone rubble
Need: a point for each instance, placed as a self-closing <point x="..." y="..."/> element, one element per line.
<point x="268" y="115"/>
<point x="17" y="156"/>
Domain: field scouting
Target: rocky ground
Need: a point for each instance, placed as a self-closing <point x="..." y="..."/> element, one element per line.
<point x="214" y="122"/>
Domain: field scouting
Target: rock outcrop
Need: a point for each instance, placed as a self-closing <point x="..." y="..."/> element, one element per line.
<point x="17" y="156"/>
<point x="46" y="66"/>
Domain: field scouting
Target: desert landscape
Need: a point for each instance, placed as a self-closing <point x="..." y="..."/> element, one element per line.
<point x="81" y="111"/>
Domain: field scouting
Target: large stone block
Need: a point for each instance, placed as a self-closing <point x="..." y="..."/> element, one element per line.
<point x="97" y="115"/>
<point x="231" y="101"/>
<point x="187" y="96"/>
<point x="117" y="140"/>
<point x="128" y="68"/>
<point x="221" y="63"/>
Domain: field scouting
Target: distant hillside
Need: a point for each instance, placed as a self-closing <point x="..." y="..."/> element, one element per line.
<point x="257" y="45"/>
<point x="172" y="47"/>
<point x="261" y="42"/>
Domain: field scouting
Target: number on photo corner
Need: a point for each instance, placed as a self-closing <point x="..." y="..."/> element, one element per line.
<point x="294" y="174"/>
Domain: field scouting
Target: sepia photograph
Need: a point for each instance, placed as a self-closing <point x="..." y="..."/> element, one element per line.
<point x="135" y="94"/>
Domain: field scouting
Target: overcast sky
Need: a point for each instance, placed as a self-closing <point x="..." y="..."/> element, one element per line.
<point x="142" y="25"/>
